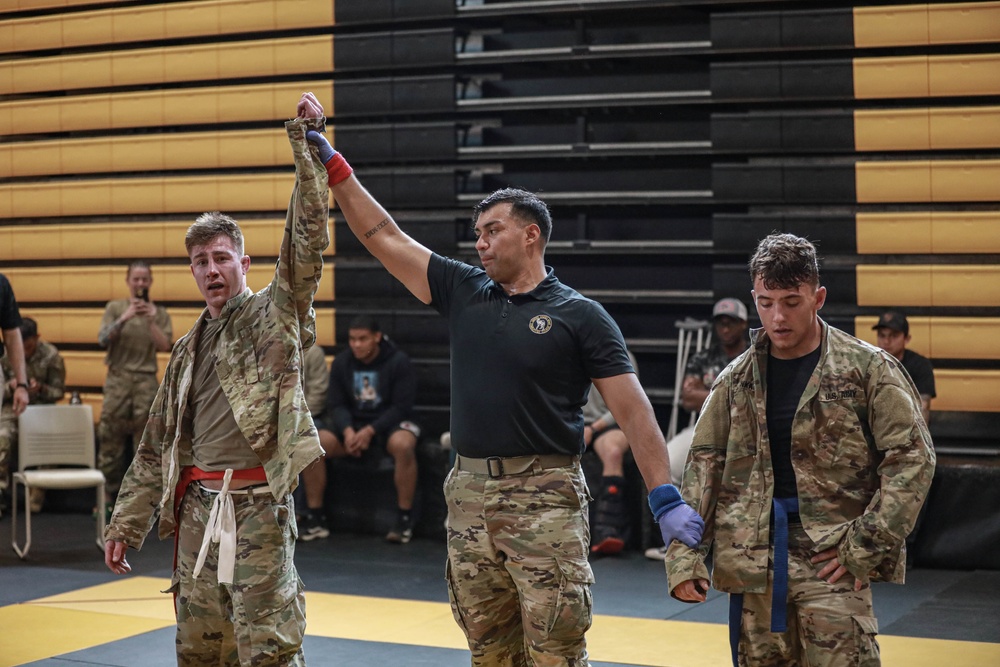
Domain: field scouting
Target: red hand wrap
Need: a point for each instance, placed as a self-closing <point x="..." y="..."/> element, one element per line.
<point x="337" y="169"/>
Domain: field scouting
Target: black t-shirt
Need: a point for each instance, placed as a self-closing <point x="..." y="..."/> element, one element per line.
<point x="521" y="365"/>
<point x="10" y="316"/>
<point x="921" y="372"/>
<point x="786" y="380"/>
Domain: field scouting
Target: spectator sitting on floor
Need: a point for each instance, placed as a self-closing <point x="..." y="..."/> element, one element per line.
<point x="46" y="385"/>
<point x="729" y="323"/>
<point x="610" y="531"/>
<point x="369" y="401"/>
<point x="893" y="336"/>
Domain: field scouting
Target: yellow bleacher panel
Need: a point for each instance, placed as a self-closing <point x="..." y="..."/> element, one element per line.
<point x="965" y="127"/>
<point x="87" y="369"/>
<point x="928" y="285"/>
<point x="965" y="231"/>
<point x="967" y="390"/>
<point x="927" y="76"/>
<point x="891" y="129"/>
<point x="175" y="64"/>
<point x="928" y="181"/>
<point x="153" y="152"/>
<point x="964" y="285"/>
<point x="926" y="129"/>
<point x="81" y="325"/>
<point x="928" y="232"/>
<point x="965" y="180"/>
<point x="891" y="286"/>
<point x="891" y="77"/>
<point x="893" y="181"/>
<point x="165" y="21"/>
<point x="25" y="5"/>
<point x="964" y="75"/>
<point x="920" y="24"/>
<point x="147" y="109"/>
<point x="103" y="283"/>
<point x="964" y="22"/>
<point x="944" y="337"/>
<point x="138" y="196"/>
<point x="893" y="233"/>
<point x="126" y="241"/>
<point x="94" y="400"/>
<point x="890" y="26"/>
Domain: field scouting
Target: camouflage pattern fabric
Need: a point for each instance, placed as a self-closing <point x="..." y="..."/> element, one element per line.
<point x="134" y="350"/>
<point x="518" y="577"/>
<point x="259" y="367"/>
<point x="829" y="625"/>
<point x="127" y="399"/>
<point x="861" y="453"/>
<point x="46" y="367"/>
<point x="260" y="618"/>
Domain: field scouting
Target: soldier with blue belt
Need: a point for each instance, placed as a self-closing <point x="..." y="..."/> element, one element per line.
<point x="809" y="464"/>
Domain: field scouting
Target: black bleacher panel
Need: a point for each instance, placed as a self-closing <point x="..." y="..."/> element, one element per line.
<point x="386" y="143"/>
<point x="631" y="274"/>
<point x="788" y="29"/>
<point x="397" y="187"/>
<point x="783" y="131"/>
<point x="383" y="50"/>
<point x="769" y="182"/>
<point x="817" y="79"/>
<point x="740" y="233"/>
<point x="375" y="97"/>
<point x="609" y="179"/>
<point x="376" y="11"/>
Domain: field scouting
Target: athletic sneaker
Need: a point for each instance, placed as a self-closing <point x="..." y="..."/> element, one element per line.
<point x="656" y="553"/>
<point x="402" y="530"/>
<point x="314" y="528"/>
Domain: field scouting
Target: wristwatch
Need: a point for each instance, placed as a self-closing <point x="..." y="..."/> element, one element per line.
<point x="21" y="384"/>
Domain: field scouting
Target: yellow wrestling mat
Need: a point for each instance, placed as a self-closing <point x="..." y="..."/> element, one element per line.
<point x="88" y="617"/>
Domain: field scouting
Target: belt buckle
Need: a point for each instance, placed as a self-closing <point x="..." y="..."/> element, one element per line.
<point x="490" y="465"/>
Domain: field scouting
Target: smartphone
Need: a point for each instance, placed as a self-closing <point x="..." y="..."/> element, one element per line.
<point x="143" y="294"/>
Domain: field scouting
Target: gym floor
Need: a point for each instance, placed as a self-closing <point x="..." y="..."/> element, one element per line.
<point x="373" y="603"/>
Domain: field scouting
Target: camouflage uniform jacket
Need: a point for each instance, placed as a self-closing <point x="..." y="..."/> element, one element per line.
<point x="861" y="453"/>
<point x="46" y="367"/>
<point x="259" y="367"/>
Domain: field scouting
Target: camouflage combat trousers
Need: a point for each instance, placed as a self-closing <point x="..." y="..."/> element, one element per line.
<point x="127" y="398"/>
<point x="829" y="625"/>
<point x="8" y="441"/>
<point x="259" y="619"/>
<point x="517" y="571"/>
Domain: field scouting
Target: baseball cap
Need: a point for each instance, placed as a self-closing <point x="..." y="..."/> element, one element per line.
<point x="730" y="307"/>
<point x="893" y="320"/>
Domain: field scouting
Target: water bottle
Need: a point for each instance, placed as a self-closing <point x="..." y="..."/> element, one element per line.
<point x="74" y="398"/>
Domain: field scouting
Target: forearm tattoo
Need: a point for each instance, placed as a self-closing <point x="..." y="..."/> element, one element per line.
<point x="374" y="230"/>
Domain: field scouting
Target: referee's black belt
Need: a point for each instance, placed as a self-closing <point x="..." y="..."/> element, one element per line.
<point x="510" y="466"/>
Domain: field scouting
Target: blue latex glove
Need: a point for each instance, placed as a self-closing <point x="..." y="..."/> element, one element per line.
<point x="326" y="151"/>
<point x="677" y="520"/>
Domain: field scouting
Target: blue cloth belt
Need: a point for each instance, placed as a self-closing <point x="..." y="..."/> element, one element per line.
<point x="779" y="591"/>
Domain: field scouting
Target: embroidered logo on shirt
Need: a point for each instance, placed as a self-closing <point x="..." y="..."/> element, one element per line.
<point x="540" y="324"/>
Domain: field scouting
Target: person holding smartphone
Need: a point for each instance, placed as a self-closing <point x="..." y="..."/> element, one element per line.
<point x="133" y="330"/>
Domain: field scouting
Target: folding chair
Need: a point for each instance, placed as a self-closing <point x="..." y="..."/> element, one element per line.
<point x="55" y="435"/>
<point x="690" y="332"/>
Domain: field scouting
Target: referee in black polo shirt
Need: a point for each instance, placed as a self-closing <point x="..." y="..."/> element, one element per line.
<point x="524" y="350"/>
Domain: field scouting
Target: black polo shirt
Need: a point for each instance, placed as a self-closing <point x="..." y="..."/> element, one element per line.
<point x="521" y="366"/>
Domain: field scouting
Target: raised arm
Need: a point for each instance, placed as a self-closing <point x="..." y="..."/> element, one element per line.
<point x="404" y="258"/>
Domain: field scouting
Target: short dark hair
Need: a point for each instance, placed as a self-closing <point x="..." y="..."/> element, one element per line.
<point x="785" y="261"/>
<point x="138" y="264"/>
<point x="364" y="321"/>
<point x="29" y="328"/>
<point x="524" y="205"/>
<point x="210" y="225"/>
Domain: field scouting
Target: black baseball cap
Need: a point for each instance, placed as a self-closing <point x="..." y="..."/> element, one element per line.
<point x="894" y="320"/>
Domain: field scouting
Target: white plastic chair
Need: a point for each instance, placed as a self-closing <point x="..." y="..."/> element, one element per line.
<point x="55" y="435"/>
